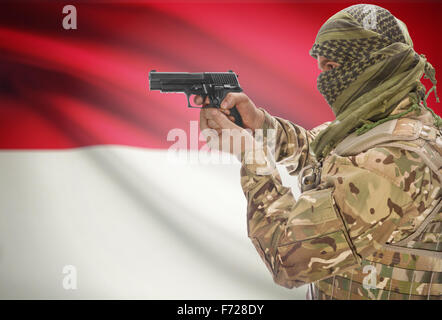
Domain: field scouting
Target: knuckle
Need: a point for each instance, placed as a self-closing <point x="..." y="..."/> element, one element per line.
<point x="236" y="97"/>
<point x="229" y="95"/>
<point x="243" y="96"/>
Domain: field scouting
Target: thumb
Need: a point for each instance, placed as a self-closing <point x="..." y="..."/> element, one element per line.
<point x="232" y="99"/>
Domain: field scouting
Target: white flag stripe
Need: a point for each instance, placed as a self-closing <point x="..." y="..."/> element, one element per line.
<point x="131" y="223"/>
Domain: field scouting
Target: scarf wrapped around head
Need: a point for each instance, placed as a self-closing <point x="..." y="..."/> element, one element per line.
<point x="378" y="69"/>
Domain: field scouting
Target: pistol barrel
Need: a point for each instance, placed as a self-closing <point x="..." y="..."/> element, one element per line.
<point x="177" y="81"/>
<point x="167" y="81"/>
<point x="214" y="85"/>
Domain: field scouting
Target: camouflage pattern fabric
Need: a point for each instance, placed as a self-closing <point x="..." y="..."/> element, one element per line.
<point x="332" y="233"/>
<point x="378" y="68"/>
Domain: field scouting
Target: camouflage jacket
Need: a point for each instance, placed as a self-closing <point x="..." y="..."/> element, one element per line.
<point x="333" y="236"/>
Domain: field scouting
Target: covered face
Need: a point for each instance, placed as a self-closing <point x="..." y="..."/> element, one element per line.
<point x="355" y="38"/>
<point x="378" y="68"/>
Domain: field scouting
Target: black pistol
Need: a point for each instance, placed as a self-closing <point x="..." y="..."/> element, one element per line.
<point x="214" y="85"/>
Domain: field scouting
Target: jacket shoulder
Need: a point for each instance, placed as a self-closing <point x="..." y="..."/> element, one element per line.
<point x="404" y="168"/>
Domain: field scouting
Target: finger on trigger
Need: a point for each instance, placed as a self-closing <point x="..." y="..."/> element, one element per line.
<point x="198" y="99"/>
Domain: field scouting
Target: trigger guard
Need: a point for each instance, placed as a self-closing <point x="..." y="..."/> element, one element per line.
<point x="188" y="101"/>
<point x="217" y="98"/>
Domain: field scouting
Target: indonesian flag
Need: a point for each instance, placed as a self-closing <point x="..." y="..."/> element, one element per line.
<point x="91" y="203"/>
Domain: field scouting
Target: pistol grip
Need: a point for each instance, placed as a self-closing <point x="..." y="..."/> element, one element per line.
<point x="234" y="113"/>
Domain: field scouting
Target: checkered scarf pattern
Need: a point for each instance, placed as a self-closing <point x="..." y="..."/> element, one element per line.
<point x="354" y="55"/>
<point x="375" y="52"/>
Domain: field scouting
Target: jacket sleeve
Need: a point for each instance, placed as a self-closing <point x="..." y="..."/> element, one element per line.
<point x="329" y="229"/>
<point x="290" y="142"/>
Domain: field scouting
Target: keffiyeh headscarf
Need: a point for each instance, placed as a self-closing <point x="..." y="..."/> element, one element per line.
<point x="378" y="69"/>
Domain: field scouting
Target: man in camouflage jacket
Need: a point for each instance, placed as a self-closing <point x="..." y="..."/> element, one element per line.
<point x="368" y="222"/>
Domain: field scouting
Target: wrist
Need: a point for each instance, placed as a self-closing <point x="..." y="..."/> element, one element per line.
<point x="259" y="119"/>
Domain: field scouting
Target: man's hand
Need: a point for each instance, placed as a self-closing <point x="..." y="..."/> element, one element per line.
<point x="252" y="117"/>
<point x="230" y="137"/>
